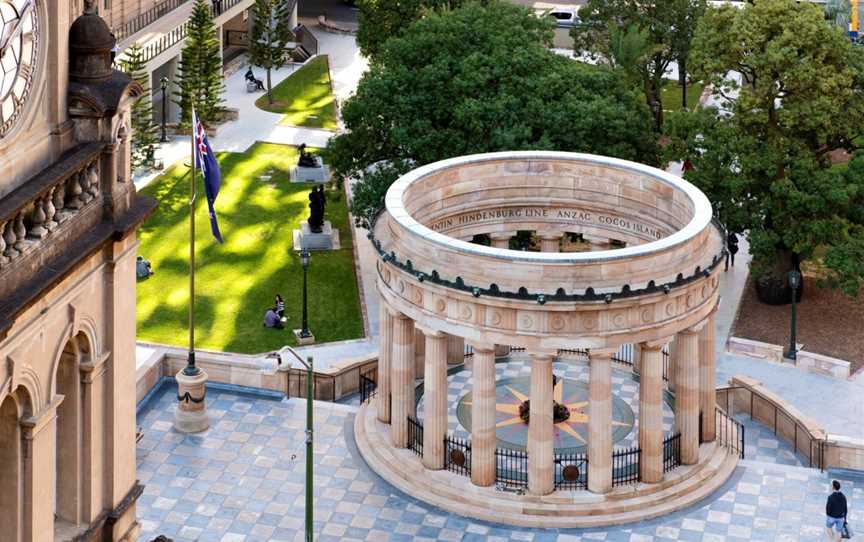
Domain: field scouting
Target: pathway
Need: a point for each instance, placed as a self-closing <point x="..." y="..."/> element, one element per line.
<point x="243" y="480"/>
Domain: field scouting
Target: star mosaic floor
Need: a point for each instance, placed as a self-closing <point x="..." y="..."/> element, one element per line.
<point x="624" y="386"/>
<point x="243" y="480"/>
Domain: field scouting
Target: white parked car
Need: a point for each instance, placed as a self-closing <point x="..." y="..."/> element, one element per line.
<point x="565" y="17"/>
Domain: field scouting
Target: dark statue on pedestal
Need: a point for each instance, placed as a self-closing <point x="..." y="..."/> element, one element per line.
<point x="317" y="204"/>
<point x="307" y="159"/>
<point x="560" y="413"/>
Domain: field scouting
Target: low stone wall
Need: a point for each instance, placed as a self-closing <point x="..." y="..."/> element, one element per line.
<point x="808" y="438"/>
<point x="809" y="361"/>
<point x="331" y="384"/>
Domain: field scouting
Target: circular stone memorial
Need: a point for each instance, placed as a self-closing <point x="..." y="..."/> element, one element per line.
<point x="653" y="295"/>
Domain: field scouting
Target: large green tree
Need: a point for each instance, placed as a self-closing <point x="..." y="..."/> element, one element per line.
<point x="481" y="79"/>
<point x="765" y="159"/>
<point x="144" y="140"/>
<point x="380" y="20"/>
<point x="200" y="80"/>
<point x="271" y="32"/>
<point x="667" y="24"/>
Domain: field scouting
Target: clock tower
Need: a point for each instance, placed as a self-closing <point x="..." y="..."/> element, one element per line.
<point x="68" y="220"/>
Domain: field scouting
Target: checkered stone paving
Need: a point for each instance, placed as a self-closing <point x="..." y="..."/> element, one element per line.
<point x="625" y="386"/>
<point x="243" y="480"/>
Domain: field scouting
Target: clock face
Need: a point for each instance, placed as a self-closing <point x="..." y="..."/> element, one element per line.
<point x="18" y="47"/>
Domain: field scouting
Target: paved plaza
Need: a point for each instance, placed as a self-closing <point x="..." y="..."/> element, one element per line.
<point x="243" y="480"/>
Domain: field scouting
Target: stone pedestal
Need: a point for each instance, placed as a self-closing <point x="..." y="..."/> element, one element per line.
<point x="328" y="239"/>
<point x="300" y="174"/>
<point x="191" y="413"/>
<point x="303" y="341"/>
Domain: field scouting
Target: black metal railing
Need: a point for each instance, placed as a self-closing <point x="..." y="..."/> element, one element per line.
<point x="671" y="452"/>
<point x="146" y="18"/>
<point x="571" y="471"/>
<point x="457" y="455"/>
<point x="368" y="386"/>
<point x="625" y="466"/>
<point x="178" y="34"/>
<point x="511" y="469"/>
<point x="729" y="432"/>
<point x="625" y="355"/>
<point x="415" y="436"/>
<point x="573" y="352"/>
<point x="306" y="40"/>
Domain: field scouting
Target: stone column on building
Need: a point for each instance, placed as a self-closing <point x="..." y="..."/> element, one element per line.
<point x="483" y="416"/>
<point x="687" y="394"/>
<point x="551" y="241"/>
<point x="385" y="357"/>
<point x="402" y="379"/>
<point x="39" y="486"/>
<point x="455" y="350"/>
<point x="435" y="403"/>
<point x="419" y="353"/>
<point x="501" y="239"/>
<point x="651" y="413"/>
<point x="600" y="421"/>
<point x="708" y="376"/>
<point x="540" y="426"/>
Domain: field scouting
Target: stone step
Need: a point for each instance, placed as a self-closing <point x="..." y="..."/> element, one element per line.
<point x="455" y="493"/>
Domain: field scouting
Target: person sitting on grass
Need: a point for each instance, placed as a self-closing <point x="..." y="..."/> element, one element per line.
<point x="280" y="308"/>
<point x="143" y="269"/>
<point x="272" y="320"/>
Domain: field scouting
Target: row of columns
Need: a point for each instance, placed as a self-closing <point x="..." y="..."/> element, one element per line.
<point x="549" y="241"/>
<point x="691" y="372"/>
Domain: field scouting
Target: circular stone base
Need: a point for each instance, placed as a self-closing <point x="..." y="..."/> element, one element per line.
<point x="190" y="416"/>
<point x="680" y="488"/>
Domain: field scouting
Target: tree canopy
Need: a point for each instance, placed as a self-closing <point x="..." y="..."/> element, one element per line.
<point x="144" y="140"/>
<point x="480" y="79"/>
<point x="271" y="33"/>
<point x="200" y="80"/>
<point x="765" y="159"/>
<point x="663" y="27"/>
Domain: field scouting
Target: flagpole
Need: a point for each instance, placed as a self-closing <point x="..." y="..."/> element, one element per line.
<point x="191" y="369"/>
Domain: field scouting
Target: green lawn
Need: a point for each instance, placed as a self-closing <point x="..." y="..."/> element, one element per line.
<point x="305" y="97"/>
<point x="237" y="281"/>
<point x="670" y="95"/>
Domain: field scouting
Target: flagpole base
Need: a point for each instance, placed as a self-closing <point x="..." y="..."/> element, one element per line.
<point x="190" y="415"/>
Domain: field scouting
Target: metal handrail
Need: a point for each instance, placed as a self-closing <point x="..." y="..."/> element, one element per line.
<point x="145" y="18"/>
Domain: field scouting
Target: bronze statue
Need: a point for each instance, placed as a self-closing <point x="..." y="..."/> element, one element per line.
<point x="317" y="205"/>
<point x="307" y="159"/>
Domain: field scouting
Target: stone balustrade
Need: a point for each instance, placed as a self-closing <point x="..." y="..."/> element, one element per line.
<point x="46" y="208"/>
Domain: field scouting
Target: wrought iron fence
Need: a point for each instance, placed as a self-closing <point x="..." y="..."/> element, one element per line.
<point x="368" y="386"/>
<point x="511" y="469"/>
<point x="571" y="471"/>
<point x="625" y="466"/>
<point x="729" y="432"/>
<point x="457" y="455"/>
<point x="671" y="452"/>
<point x="469" y="351"/>
<point x="625" y="355"/>
<point x="146" y="18"/>
<point x="573" y="352"/>
<point x="415" y="436"/>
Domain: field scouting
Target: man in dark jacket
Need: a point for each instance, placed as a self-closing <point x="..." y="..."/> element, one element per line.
<point x="835" y="509"/>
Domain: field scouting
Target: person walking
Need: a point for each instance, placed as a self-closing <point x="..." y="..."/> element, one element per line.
<point x="731" y="249"/>
<point x="835" y="510"/>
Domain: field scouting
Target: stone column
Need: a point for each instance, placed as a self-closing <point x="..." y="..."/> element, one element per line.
<point x="540" y="426"/>
<point x="687" y="394"/>
<point x="708" y="376"/>
<point x="550" y="242"/>
<point x="671" y="364"/>
<point x="455" y="350"/>
<point x="39" y="442"/>
<point x="483" y="416"/>
<point x="385" y="356"/>
<point x="402" y="379"/>
<point x="501" y="239"/>
<point x="600" y="421"/>
<point x="651" y="413"/>
<point x="419" y="353"/>
<point x="637" y="360"/>
<point x="435" y="405"/>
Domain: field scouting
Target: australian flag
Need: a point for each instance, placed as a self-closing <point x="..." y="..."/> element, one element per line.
<point x="205" y="160"/>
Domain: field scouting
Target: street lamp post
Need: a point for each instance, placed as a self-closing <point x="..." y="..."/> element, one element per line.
<point x="310" y="394"/>
<point x="163" y="84"/>
<point x="304" y="261"/>
<point x="794" y="278"/>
